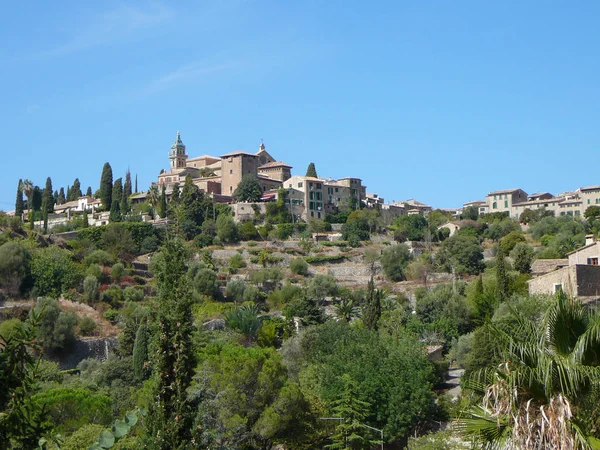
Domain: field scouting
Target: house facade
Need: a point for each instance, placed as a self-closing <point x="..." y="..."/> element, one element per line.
<point x="579" y="278"/>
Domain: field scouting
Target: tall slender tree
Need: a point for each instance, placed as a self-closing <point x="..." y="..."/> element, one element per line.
<point x="372" y="307"/>
<point x="60" y="199"/>
<point x="115" y="208"/>
<point x="136" y="189"/>
<point x="311" y="171"/>
<point x="170" y="417"/>
<point x="19" y="203"/>
<point x="88" y="193"/>
<point x="502" y="281"/>
<point x="48" y="197"/>
<point x="162" y="206"/>
<point x="75" y="191"/>
<point x="127" y="185"/>
<point x="106" y="186"/>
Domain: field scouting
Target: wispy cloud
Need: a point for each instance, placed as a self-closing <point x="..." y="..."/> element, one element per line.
<point x="105" y="28"/>
<point x="190" y="73"/>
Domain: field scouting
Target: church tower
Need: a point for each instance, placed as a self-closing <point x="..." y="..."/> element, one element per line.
<point x="177" y="155"/>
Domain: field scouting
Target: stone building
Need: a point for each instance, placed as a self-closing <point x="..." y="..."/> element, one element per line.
<point x="579" y="278"/>
<point x="503" y="201"/>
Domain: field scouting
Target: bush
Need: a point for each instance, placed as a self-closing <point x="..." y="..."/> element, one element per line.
<point x="117" y="272"/>
<point x="87" y="326"/>
<point x="299" y="266"/>
<point x="14" y="267"/>
<point x="237" y="261"/>
<point x="394" y="260"/>
<point x="149" y="244"/>
<point x="226" y="229"/>
<point x="133" y="294"/>
<point x="91" y="287"/>
<point x="235" y="290"/>
<point x="247" y="231"/>
<point x="56" y="329"/>
<point x="99" y="257"/>
<point x="54" y="271"/>
<point x="324" y="258"/>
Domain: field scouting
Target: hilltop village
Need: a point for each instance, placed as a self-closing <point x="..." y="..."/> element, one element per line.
<point x="236" y="305"/>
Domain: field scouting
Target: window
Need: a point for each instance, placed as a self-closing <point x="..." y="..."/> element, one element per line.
<point x="506" y="203"/>
<point x="336" y="189"/>
<point x="495" y="197"/>
<point x="299" y="184"/>
<point x="230" y="171"/>
<point x="592" y="261"/>
<point x="558" y="288"/>
<point x="588" y="201"/>
<point x="318" y="215"/>
<point x="577" y="213"/>
<point x="494" y="205"/>
<point x="505" y="196"/>
<point x="318" y="185"/>
<point x="230" y="189"/>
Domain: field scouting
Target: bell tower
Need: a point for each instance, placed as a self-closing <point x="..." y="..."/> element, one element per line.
<point x="177" y="155"/>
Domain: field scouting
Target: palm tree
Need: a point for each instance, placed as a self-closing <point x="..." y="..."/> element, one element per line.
<point x="153" y="197"/>
<point x="27" y="188"/>
<point x="542" y="396"/>
<point x="345" y="310"/>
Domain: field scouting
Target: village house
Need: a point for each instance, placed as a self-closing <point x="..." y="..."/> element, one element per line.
<point x="579" y="278"/>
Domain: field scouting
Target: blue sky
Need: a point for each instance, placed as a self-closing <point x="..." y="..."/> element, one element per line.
<point x="438" y="101"/>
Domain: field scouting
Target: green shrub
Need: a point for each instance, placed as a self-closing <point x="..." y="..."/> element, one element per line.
<point x="133" y="294"/>
<point x="251" y="244"/>
<point x="247" y="231"/>
<point x="87" y="326"/>
<point x="99" y="257"/>
<point x="237" y="261"/>
<point x="111" y="315"/>
<point x="91" y="287"/>
<point x="299" y="266"/>
<point x="117" y="272"/>
<point x="324" y="258"/>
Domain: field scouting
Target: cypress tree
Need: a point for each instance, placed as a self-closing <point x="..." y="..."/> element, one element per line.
<point x="136" y="189"/>
<point x="88" y="193"/>
<point x="170" y="417"/>
<point x="175" y="194"/>
<point x="106" y="187"/>
<point x="68" y="197"/>
<point x="117" y="192"/>
<point x="75" y="191"/>
<point x="60" y="199"/>
<point x="502" y="281"/>
<point x="47" y="197"/>
<point x="55" y="197"/>
<point x="127" y="186"/>
<point x="19" y="202"/>
<point x="372" y="309"/>
<point x="140" y="353"/>
<point x="36" y="198"/>
<point x="115" y="212"/>
<point x="311" y="171"/>
<point x="85" y="220"/>
<point x="162" y="206"/>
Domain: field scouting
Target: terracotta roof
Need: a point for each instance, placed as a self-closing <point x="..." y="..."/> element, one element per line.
<point x="139" y="195"/>
<point x="475" y="202"/>
<point x="196" y="158"/>
<point x="264" y="177"/>
<point x="238" y="152"/>
<point x="274" y="164"/>
<point x="505" y="191"/>
<point x="542" y="266"/>
<point x="590" y="188"/>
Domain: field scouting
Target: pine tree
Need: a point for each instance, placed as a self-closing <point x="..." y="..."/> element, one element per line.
<point x="372" y="309"/>
<point x="311" y="171"/>
<point x="502" y="281"/>
<point x="106" y="187"/>
<point x="351" y="433"/>
<point x="88" y="193"/>
<point x="140" y="353"/>
<point x="19" y="202"/>
<point x="171" y="415"/>
<point x="60" y="199"/>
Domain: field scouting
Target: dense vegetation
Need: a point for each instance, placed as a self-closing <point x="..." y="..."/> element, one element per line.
<point x="245" y="335"/>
